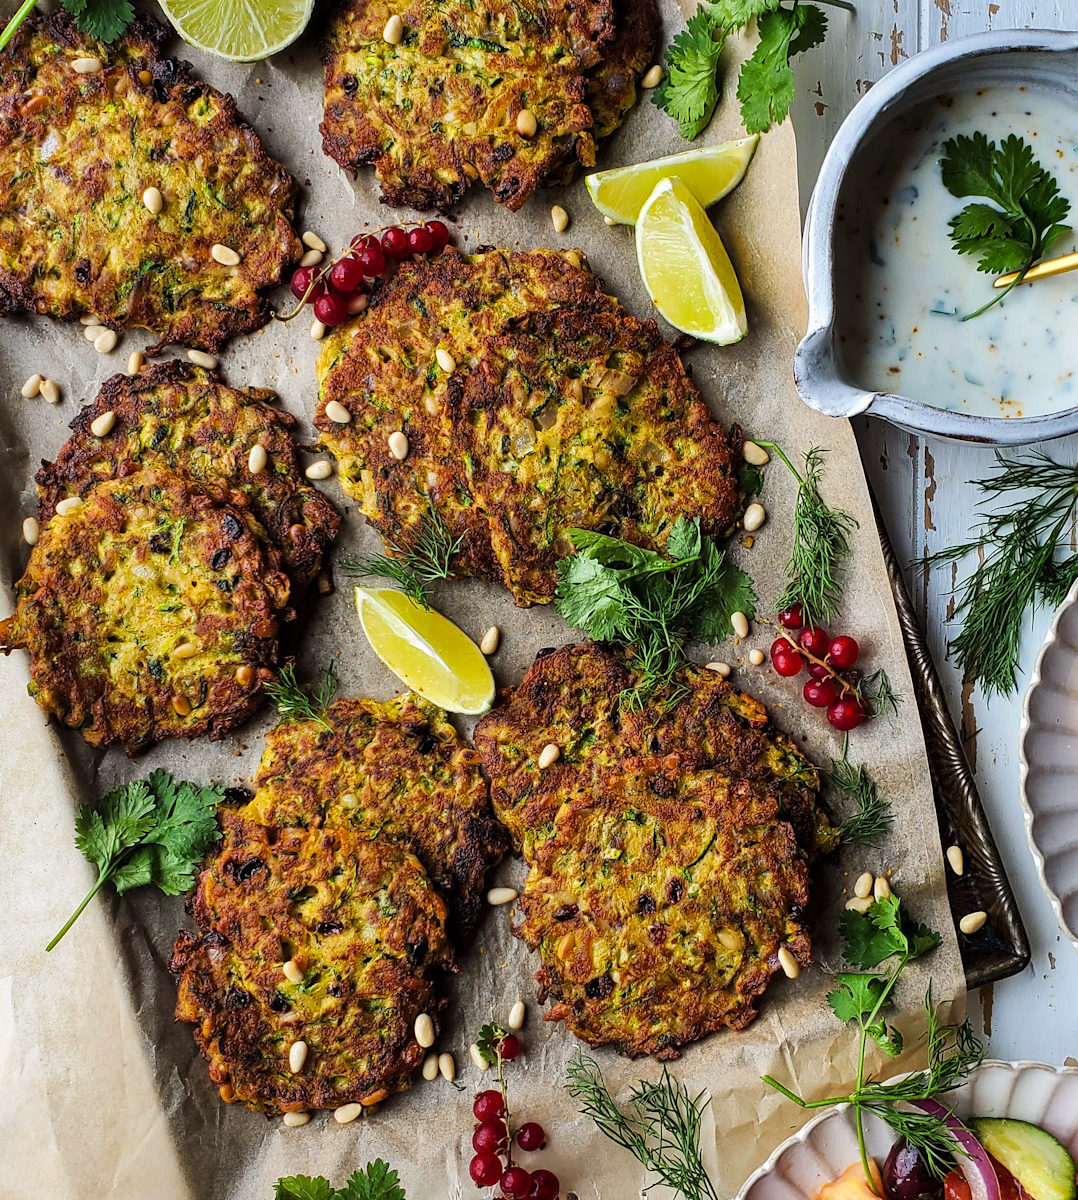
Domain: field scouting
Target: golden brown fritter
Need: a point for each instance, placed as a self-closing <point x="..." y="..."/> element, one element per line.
<point x="362" y="923"/>
<point x="181" y="417"/>
<point x="659" y="904"/>
<point x="149" y="611"/>
<point x="562" y="410"/>
<point x="398" y="770"/>
<point x="77" y="153"/>
<point x="439" y="110"/>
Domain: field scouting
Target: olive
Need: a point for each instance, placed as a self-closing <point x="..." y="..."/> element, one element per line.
<point x="905" y="1176"/>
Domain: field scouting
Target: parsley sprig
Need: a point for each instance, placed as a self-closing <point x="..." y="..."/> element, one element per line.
<point x="154" y="830"/>
<point x="413" y="565"/>
<point x="1026" y="211"/>
<point x="105" y="20"/>
<point x="377" y="1181"/>
<point x="615" y="591"/>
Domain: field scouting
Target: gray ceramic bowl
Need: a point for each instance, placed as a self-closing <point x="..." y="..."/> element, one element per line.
<point x="1037" y="58"/>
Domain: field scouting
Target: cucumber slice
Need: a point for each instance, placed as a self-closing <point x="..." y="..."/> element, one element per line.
<point x="1039" y="1163"/>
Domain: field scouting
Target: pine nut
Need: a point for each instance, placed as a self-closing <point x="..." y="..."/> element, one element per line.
<point x="257" y="459"/>
<point x="313" y="242"/>
<point x="92" y="332"/>
<point x="311" y="259"/>
<point x="501" y="895"/>
<point x="322" y="469"/>
<point x="881" y="889"/>
<point x="447" y="1067"/>
<point x="756" y="657"/>
<point x="31" y="531"/>
<point x="145" y="78"/>
<point x="394" y="30"/>
<point x="549" y="755"/>
<point x="135" y="362"/>
<point x="297" y="1056"/>
<point x="559" y="218"/>
<point x="720" y="668"/>
<point x="89" y="319"/>
<point x="740" y="624"/>
<point x="956" y="859"/>
<point x="398" y="446"/>
<point x="186" y="650"/>
<point x="516" y="1015"/>
<point x="491" y="638"/>
<point x="445" y="360"/>
<point x="788" y="963"/>
<point x="527" y="125"/>
<point x="245" y="675"/>
<point x="337" y="413"/>
<point x="69" y="505"/>
<point x="973" y="921"/>
<point x="153" y="200"/>
<point x="477" y="1058"/>
<point x="106" y="340"/>
<point x="181" y="706"/>
<point x="754" y="455"/>
<point x="295" y="1119"/>
<point x="576" y="390"/>
<point x="348" y="800"/>
<point x="86" y="66"/>
<point x="430" y="1067"/>
<point x="565" y="946"/>
<point x="729" y="939"/>
<point x="859" y="904"/>
<point x="102" y="426"/>
<point x="292" y="972"/>
<point x="31" y="387"/>
<point x="572" y="257"/>
<point x="201" y="359"/>
<point x="50" y="392"/>
<point x="755" y="515"/>
<point x="347" y="1113"/>
<point x="652" y="77"/>
<point x="863" y="886"/>
<point x="424" y="1030"/>
<point x="356" y="305"/>
<point x="225" y="255"/>
<point x="318" y="330"/>
<point x="610" y="221"/>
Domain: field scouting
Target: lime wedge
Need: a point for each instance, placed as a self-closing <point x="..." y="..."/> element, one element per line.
<point x="240" y="30"/>
<point x="426" y="651"/>
<point x="685" y="267"/>
<point x="710" y="173"/>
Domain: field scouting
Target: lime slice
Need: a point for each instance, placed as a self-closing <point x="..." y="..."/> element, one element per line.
<point x="710" y="173"/>
<point x="685" y="267"/>
<point x="426" y="651"/>
<point x="241" y="30"/>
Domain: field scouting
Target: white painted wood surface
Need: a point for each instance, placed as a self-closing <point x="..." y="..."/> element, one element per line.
<point x="927" y="501"/>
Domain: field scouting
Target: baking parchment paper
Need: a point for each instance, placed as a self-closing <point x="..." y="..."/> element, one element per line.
<point x="101" y="1095"/>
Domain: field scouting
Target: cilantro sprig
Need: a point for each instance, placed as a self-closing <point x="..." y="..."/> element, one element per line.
<point x="617" y="592"/>
<point x="154" y="830"/>
<point x="1024" y="218"/>
<point x="105" y="20"/>
<point x="377" y="1181"/>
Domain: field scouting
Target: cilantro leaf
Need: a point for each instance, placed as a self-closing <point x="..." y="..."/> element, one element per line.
<point x="766" y="87"/>
<point x="882" y="932"/>
<point x="105" y="20"/>
<point x="378" y="1182"/>
<point x="856" y="995"/>
<point x="690" y="90"/>
<point x="738" y="12"/>
<point x="303" y="1187"/>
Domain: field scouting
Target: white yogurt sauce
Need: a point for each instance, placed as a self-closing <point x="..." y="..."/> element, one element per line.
<point x="902" y="288"/>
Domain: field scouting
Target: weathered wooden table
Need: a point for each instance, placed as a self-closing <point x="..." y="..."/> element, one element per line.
<point x="923" y="491"/>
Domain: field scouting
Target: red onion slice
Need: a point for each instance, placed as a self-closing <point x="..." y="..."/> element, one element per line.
<point x="974" y="1164"/>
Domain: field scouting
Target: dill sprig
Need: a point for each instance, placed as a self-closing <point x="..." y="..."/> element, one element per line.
<point x="296" y="703"/>
<point x="873" y="816"/>
<point x="821" y="543"/>
<point x="415" y="565"/>
<point x="878" y="694"/>
<point x="1018" y="540"/>
<point x="659" y="1125"/>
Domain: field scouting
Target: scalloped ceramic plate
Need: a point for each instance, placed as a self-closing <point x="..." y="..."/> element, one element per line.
<point x="826" y="1146"/>
<point x="1048" y="757"/>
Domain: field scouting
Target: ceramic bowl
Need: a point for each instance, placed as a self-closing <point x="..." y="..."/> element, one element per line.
<point x="1048" y="765"/>
<point x="1035" y="57"/>
<point x="827" y="1145"/>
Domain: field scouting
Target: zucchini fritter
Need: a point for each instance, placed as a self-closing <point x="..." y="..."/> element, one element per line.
<point x="77" y="152"/>
<point x="562" y="410"/>
<point x="362" y="922"/>
<point x="399" y="770"/>
<point x="149" y="611"/>
<point x="184" y="418"/>
<point x="659" y="904"/>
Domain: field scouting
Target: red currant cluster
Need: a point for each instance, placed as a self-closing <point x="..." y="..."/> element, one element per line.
<point x="832" y="683"/>
<point x="493" y="1140"/>
<point x="336" y="288"/>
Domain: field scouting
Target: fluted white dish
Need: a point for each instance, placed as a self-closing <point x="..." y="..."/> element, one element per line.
<point x="821" y="1150"/>
<point x="1048" y="765"/>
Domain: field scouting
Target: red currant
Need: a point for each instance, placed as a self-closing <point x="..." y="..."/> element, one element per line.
<point x="489" y="1138"/>
<point x="782" y="646"/>
<point x="420" y="240"/>
<point x="440" y="233"/>
<point x="821" y="692"/>
<point x="395" y="242"/>
<point x="346" y="275"/>
<point x="489" y="1106"/>
<point x="510" y="1047"/>
<point x="371" y="257"/>
<point x="485" y="1170"/>
<point x="301" y="281"/>
<point x="788" y="665"/>
<point x="846" y="713"/>
<point x="815" y="640"/>
<point x="531" y="1136"/>
<point x="330" y="309"/>
<point x="792" y="618"/>
<point x="517" y="1182"/>
<point x="819" y="670"/>
<point x="545" y="1185"/>
<point x="843" y="651"/>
